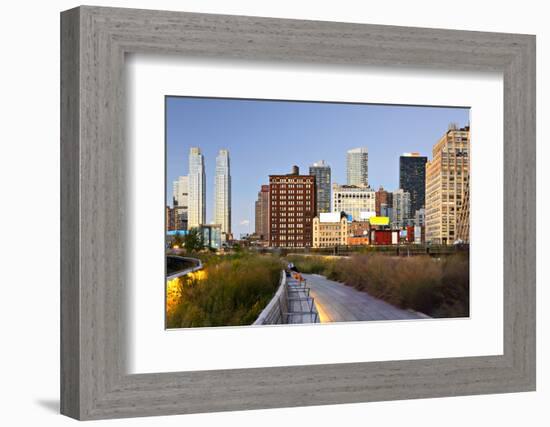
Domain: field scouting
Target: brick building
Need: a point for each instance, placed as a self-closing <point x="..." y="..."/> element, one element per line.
<point x="292" y="207"/>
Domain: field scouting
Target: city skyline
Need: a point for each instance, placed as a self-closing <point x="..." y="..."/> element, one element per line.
<point x="268" y="137"/>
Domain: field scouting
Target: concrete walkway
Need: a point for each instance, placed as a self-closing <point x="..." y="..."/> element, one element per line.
<point x="340" y="303"/>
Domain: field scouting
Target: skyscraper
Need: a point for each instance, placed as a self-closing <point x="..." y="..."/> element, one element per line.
<point x="412" y="178"/>
<point x="321" y="171"/>
<point x="222" y="199"/>
<point x="180" y="192"/>
<point x="180" y="203"/>
<point x="358" y="166"/>
<point x="447" y="177"/>
<point x="401" y="209"/>
<point x="197" y="189"/>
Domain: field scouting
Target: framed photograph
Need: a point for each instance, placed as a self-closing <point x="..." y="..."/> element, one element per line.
<point x="261" y="213"/>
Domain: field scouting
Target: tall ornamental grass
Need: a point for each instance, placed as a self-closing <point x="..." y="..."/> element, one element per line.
<point x="436" y="287"/>
<point x="231" y="292"/>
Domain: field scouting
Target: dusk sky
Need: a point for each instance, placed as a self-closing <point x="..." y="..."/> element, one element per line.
<point x="268" y="137"/>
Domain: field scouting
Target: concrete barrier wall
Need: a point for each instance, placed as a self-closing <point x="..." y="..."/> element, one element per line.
<point x="197" y="266"/>
<point x="274" y="312"/>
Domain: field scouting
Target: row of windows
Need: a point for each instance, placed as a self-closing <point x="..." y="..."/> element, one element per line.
<point x="328" y="236"/>
<point x="292" y="197"/>
<point x="291" y="182"/>
<point x="291" y="212"/>
<point x="290" y="204"/>
<point x="290" y="237"/>
<point x="328" y="227"/>
<point x="355" y="195"/>
<point x="290" y="221"/>
<point x="282" y="191"/>
<point x="291" y="225"/>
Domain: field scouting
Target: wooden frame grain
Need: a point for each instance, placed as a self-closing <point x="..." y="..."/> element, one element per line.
<point x="94" y="41"/>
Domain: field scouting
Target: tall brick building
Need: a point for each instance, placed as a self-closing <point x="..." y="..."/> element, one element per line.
<point x="292" y="207"/>
<point x="262" y="214"/>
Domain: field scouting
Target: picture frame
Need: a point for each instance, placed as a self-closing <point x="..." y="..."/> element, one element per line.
<point x="94" y="381"/>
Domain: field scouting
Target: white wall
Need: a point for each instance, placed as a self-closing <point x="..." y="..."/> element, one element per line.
<point x="30" y="302"/>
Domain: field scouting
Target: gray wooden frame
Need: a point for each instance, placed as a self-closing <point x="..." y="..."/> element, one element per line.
<point x="94" y="41"/>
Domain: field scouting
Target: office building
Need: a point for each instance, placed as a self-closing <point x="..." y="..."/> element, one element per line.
<point x="180" y="203"/>
<point x="383" y="197"/>
<point x="169" y="219"/>
<point x="357" y="201"/>
<point x="222" y="190"/>
<point x="412" y="178"/>
<point x="291" y="209"/>
<point x="212" y="236"/>
<point x="447" y="177"/>
<point x="463" y="217"/>
<point x="401" y="209"/>
<point x="261" y="223"/>
<point x="357" y="165"/>
<point x="180" y="218"/>
<point x="386" y="210"/>
<point x="180" y="192"/>
<point x="420" y="217"/>
<point x="197" y="189"/>
<point x="329" y="230"/>
<point x="321" y="171"/>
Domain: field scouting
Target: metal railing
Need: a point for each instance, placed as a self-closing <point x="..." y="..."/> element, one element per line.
<point x="291" y="303"/>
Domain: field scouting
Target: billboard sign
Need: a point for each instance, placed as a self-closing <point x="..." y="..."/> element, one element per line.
<point x="379" y="220"/>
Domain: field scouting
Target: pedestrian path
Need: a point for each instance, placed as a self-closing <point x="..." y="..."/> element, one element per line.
<point x="337" y="302"/>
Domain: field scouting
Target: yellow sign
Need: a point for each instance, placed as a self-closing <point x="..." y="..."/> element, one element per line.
<point x="379" y="220"/>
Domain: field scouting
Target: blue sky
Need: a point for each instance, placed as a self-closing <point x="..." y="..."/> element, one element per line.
<point x="268" y="137"/>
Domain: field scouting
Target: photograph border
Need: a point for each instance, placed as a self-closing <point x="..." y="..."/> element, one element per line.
<point x="94" y="178"/>
<point x="283" y="100"/>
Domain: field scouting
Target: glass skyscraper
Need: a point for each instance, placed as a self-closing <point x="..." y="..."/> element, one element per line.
<point x="401" y="210"/>
<point x="321" y="171"/>
<point x="412" y="179"/>
<point x="358" y="166"/>
<point x="222" y="200"/>
<point x="197" y="189"/>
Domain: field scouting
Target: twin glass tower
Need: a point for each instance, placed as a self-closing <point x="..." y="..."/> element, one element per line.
<point x="197" y="190"/>
<point x="222" y="189"/>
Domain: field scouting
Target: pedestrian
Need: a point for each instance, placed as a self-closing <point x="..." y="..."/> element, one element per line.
<point x="298" y="277"/>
